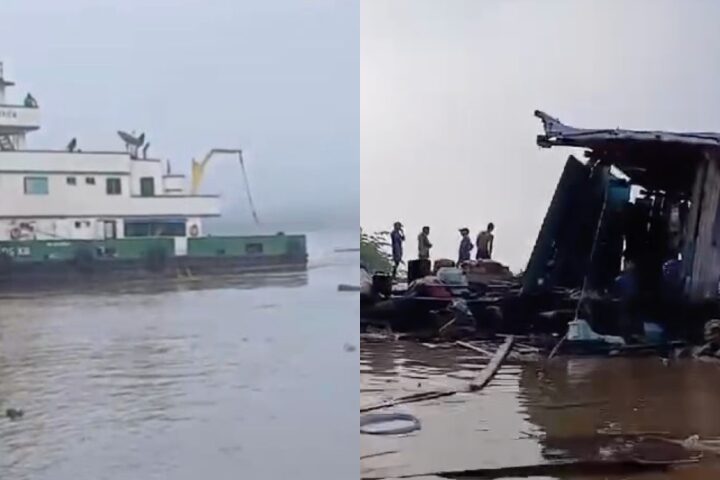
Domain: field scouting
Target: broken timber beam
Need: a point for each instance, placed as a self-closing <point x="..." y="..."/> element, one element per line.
<point x="702" y="240"/>
<point x="493" y="366"/>
<point x="486" y="374"/>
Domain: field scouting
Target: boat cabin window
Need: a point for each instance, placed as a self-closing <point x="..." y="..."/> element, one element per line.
<point x="154" y="228"/>
<point x="147" y="186"/>
<point x="71" y="180"/>
<point x="254" y="248"/>
<point x="113" y="186"/>
<point x="90" y="180"/>
<point x="36" y="186"/>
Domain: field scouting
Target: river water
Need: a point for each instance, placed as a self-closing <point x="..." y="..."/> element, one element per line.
<point x="250" y="379"/>
<point x="526" y="416"/>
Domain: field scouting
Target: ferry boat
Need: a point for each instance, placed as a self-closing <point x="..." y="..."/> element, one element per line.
<point x="69" y="214"/>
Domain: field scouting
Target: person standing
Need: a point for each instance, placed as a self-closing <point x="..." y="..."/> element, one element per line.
<point x="397" y="237"/>
<point x="484" y="243"/>
<point x="466" y="246"/>
<point x="424" y="244"/>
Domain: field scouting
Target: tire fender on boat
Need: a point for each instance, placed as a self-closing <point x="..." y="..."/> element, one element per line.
<point x="15" y="233"/>
<point x="194" y="231"/>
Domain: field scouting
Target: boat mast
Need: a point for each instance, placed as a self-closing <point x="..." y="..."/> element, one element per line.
<point x="3" y="83"/>
<point x="16" y="120"/>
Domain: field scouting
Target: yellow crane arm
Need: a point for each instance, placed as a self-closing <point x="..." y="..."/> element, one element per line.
<point x="198" y="171"/>
<point x="198" y="168"/>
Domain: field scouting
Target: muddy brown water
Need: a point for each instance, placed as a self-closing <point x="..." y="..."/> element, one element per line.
<point x="526" y="417"/>
<point x="203" y="379"/>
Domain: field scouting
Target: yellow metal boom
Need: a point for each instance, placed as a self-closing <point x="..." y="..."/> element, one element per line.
<point x="198" y="170"/>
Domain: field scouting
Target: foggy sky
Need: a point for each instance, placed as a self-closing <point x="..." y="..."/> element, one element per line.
<point x="448" y="91"/>
<point x="278" y="78"/>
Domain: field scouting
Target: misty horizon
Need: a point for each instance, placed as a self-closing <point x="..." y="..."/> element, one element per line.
<point x="284" y="90"/>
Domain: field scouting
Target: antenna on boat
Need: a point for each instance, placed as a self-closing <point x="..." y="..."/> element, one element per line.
<point x="132" y="143"/>
<point x="145" y="149"/>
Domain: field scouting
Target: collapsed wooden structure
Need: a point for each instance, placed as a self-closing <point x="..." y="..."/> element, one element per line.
<point x="675" y="216"/>
<point x="646" y="198"/>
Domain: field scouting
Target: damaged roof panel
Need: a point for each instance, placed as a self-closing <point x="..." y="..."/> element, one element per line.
<point x="559" y="134"/>
<point x="653" y="159"/>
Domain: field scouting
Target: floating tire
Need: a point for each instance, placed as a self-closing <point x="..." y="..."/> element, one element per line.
<point x="376" y="419"/>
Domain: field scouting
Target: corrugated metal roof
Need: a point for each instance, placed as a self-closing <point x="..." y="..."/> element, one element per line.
<point x="559" y="134"/>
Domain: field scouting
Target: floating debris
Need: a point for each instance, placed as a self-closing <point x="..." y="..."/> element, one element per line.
<point x="14" y="413"/>
<point x="348" y="288"/>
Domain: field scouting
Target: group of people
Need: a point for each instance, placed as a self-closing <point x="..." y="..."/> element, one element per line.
<point x="483" y="244"/>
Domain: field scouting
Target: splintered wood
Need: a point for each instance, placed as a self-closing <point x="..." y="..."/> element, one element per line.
<point x="493" y="366"/>
<point x="487" y="373"/>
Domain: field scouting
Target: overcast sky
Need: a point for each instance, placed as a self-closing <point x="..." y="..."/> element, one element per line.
<point x="448" y="90"/>
<point x="278" y="78"/>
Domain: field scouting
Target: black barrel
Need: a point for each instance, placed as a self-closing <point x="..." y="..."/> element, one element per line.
<point x="382" y="283"/>
<point x="418" y="269"/>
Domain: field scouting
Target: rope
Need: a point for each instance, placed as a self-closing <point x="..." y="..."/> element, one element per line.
<point x="583" y="292"/>
<point x="247" y="189"/>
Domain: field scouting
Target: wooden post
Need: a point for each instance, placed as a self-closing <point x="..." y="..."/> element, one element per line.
<point x="701" y="254"/>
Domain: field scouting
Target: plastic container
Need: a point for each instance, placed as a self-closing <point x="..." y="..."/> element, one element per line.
<point x="579" y="330"/>
<point x="654" y="333"/>
<point x="452" y="276"/>
<point x="418" y="269"/>
<point x="382" y="283"/>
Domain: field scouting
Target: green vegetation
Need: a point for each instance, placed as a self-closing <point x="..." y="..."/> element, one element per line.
<point x="374" y="252"/>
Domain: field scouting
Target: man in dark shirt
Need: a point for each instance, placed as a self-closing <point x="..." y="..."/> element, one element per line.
<point x="466" y="246"/>
<point x="397" y="237"/>
<point x="485" y="243"/>
<point x="424" y="244"/>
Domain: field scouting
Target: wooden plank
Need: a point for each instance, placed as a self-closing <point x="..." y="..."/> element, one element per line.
<point x="493" y="366"/>
<point x="691" y="226"/>
<point x="556" y="468"/>
<point x="412" y="398"/>
<point x="706" y="257"/>
<point x="482" y="379"/>
<point x="474" y="348"/>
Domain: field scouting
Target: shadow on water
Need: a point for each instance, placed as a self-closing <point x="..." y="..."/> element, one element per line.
<point x="576" y="409"/>
<point x="152" y="286"/>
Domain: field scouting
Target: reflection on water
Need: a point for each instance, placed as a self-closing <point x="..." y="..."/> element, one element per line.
<point x="526" y="416"/>
<point x="212" y="379"/>
<point x="153" y="286"/>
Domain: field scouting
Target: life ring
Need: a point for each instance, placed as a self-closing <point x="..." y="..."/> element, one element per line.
<point x="15" y="233"/>
<point x="412" y="423"/>
<point x="194" y="231"/>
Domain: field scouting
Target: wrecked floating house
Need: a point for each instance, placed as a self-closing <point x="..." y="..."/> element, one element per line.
<point x="649" y="197"/>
